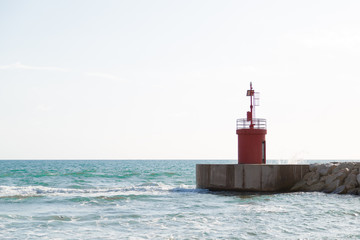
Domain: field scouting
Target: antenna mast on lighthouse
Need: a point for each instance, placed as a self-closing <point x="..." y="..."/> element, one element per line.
<point x="254" y="101"/>
<point x="250" y="93"/>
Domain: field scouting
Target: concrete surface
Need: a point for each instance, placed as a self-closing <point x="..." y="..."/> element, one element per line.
<point x="249" y="177"/>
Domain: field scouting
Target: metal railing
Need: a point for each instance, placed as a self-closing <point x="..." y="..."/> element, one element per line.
<point x="258" y="123"/>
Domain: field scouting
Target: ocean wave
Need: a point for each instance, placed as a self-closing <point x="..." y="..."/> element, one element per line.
<point x="42" y="191"/>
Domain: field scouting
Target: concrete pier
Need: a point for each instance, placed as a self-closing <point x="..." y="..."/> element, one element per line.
<point x="249" y="177"/>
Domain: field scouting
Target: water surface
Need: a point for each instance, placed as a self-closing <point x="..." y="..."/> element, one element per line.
<point x="156" y="199"/>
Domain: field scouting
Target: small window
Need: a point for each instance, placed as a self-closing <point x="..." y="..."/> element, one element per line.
<point x="263" y="152"/>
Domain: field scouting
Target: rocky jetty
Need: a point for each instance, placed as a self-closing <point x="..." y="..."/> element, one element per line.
<point x="335" y="177"/>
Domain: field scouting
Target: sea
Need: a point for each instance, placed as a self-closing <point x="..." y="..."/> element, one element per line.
<point x="156" y="199"/>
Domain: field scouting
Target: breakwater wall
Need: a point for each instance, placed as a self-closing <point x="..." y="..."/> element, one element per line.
<point x="249" y="177"/>
<point x="341" y="178"/>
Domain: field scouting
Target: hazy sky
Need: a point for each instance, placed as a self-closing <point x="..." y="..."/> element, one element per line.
<point x="168" y="79"/>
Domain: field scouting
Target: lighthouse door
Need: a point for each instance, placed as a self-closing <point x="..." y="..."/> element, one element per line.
<point x="263" y="151"/>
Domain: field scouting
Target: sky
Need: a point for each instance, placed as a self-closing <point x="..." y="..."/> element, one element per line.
<point x="163" y="79"/>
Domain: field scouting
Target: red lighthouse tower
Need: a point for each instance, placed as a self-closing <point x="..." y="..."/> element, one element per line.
<point x="251" y="133"/>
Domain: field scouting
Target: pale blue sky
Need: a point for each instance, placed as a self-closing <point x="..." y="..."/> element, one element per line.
<point x="167" y="79"/>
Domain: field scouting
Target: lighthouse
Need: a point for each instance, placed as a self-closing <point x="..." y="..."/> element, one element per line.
<point x="251" y="173"/>
<point x="251" y="133"/>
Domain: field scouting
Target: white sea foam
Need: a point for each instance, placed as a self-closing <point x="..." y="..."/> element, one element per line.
<point x="34" y="191"/>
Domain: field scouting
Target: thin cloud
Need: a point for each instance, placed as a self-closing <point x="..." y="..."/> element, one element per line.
<point x="339" y="38"/>
<point x="247" y="68"/>
<point x="43" y="108"/>
<point x="19" y="65"/>
<point x="102" y="75"/>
